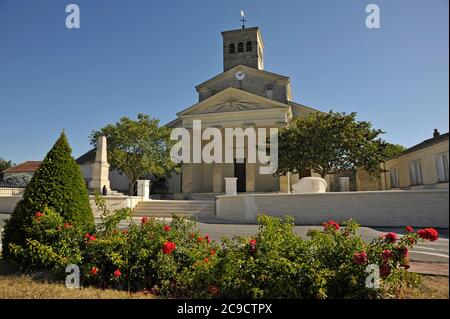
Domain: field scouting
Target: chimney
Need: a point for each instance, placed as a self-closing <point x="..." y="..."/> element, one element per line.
<point x="436" y="133"/>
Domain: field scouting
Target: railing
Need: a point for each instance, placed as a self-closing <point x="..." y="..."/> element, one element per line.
<point x="11" y="191"/>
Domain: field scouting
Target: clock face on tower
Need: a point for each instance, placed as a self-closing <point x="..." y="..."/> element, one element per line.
<point x="240" y="75"/>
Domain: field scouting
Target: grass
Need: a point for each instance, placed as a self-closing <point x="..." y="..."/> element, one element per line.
<point x="433" y="287"/>
<point x="25" y="287"/>
<point x="42" y="286"/>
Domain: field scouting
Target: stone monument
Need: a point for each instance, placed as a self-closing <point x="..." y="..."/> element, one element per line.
<point x="100" y="168"/>
<point x="310" y="185"/>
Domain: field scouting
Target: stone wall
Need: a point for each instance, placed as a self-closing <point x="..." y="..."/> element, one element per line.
<point x="377" y="208"/>
<point x="254" y="84"/>
<point x="367" y="182"/>
<point x="7" y="203"/>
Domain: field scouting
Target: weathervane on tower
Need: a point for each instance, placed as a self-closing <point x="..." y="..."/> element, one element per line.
<point x="243" y="19"/>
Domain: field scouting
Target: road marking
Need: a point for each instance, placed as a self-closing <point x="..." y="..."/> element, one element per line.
<point x="422" y="247"/>
<point x="427" y="253"/>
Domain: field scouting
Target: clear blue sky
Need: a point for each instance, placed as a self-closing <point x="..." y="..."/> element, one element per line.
<point x="135" y="56"/>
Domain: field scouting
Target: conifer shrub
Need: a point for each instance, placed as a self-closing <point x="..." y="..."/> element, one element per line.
<point x="57" y="184"/>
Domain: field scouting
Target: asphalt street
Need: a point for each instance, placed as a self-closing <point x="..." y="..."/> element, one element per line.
<point x="435" y="252"/>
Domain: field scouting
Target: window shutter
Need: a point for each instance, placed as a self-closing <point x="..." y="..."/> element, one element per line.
<point x="411" y="174"/>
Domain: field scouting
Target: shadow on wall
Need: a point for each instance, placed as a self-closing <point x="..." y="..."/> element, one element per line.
<point x="423" y="208"/>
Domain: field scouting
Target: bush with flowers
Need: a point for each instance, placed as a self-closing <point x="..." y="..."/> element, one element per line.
<point x="175" y="260"/>
<point x="50" y="243"/>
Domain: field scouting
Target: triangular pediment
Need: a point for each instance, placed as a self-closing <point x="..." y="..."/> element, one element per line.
<point x="246" y="69"/>
<point x="232" y="100"/>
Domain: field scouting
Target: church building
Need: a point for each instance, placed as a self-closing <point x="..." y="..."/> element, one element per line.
<point x="243" y="95"/>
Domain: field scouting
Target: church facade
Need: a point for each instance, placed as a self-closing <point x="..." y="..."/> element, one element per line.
<point x="244" y="95"/>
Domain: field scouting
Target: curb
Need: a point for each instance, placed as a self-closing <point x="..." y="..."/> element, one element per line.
<point x="435" y="269"/>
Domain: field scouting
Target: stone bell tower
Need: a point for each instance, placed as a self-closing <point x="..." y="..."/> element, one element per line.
<point x="100" y="168"/>
<point x="243" y="46"/>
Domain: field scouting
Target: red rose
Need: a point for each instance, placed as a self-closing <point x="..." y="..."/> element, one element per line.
<point x="94" y="271"/>
<point x="385" y="270"/>
<point x="67" y="225"/>
<point x="391" y="237"/>
<point x="402" y="251"/>
<point x="38" y="214"/>
<point x="199" y="239"/>
<point x="167" y="228"/>
<point x="360" y="258"/>
<point x="409" y="229"/>
<point x="117" y="273"/>
<point x="386" y="254"/>
<point x="430" y="234"/>
<point x="168" y="247"/>
<point x="412" y="240"/>
<point x="213" y="290"/>
<point x="87" y="235"/>
<point x="92" y="238"/>
<point x="207" y="238"/>
<point x="213" y="252"/>
<point x="252" y="247"/>
<point x="206" y="260"/>
<point x="331" y="224"/>
<point x="144" y="220"/>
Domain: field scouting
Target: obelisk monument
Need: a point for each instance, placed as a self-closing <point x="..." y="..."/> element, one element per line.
<point x="100" y="168"/>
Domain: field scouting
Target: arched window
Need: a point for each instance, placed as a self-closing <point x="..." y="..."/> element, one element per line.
<point x="248" y="46"/>
<point x="240" y="47"/>
<point x="232" y="48"/>
<point x="269" y="91"/>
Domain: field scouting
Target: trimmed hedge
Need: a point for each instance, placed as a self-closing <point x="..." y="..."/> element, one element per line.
<point x="58" y="184"/>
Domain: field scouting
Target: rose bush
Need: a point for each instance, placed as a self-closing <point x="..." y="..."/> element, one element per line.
<point x="175" y="260"/>
<point x="51" y="243"/>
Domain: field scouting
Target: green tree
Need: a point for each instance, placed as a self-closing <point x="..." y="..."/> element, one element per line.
<point x="327" y="142"/>
<point x="4" y="164"/>
<point x="394" y="150"/>
<point x="57" y="184"/>
<point x="137" y="147"/>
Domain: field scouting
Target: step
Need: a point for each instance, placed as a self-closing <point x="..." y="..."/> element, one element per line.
<point x="203" y="196"/>
<point x="162" y="205"/>
<point x="166" y="208"/>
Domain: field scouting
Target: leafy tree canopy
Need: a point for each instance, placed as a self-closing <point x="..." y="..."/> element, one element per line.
<point x="137" y="147"/>
<point x="327" y="142"/>
<point x="4" y="164"/>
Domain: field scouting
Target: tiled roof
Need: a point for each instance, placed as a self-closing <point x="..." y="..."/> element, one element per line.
<point x="426" y="143"/>
<point x="87" y="157"/>
<point x="28" y="166"/>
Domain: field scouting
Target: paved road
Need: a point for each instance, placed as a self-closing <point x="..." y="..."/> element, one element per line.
<point x="437" y="252"/>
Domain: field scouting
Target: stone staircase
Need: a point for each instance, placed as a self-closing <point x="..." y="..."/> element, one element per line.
<point x="165" y="208"/>
<point x="203" y="196"/>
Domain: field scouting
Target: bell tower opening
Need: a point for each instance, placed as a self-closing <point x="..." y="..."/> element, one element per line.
<point x="243" y="46"/>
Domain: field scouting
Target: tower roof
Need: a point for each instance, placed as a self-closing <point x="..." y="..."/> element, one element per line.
<point x="245" y="30"/>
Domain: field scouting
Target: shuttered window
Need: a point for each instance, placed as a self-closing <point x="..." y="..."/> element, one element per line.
<point x="442" y="167"/>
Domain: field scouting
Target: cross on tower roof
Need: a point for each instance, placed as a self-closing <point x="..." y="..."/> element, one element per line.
<point x="243" y="20"/>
